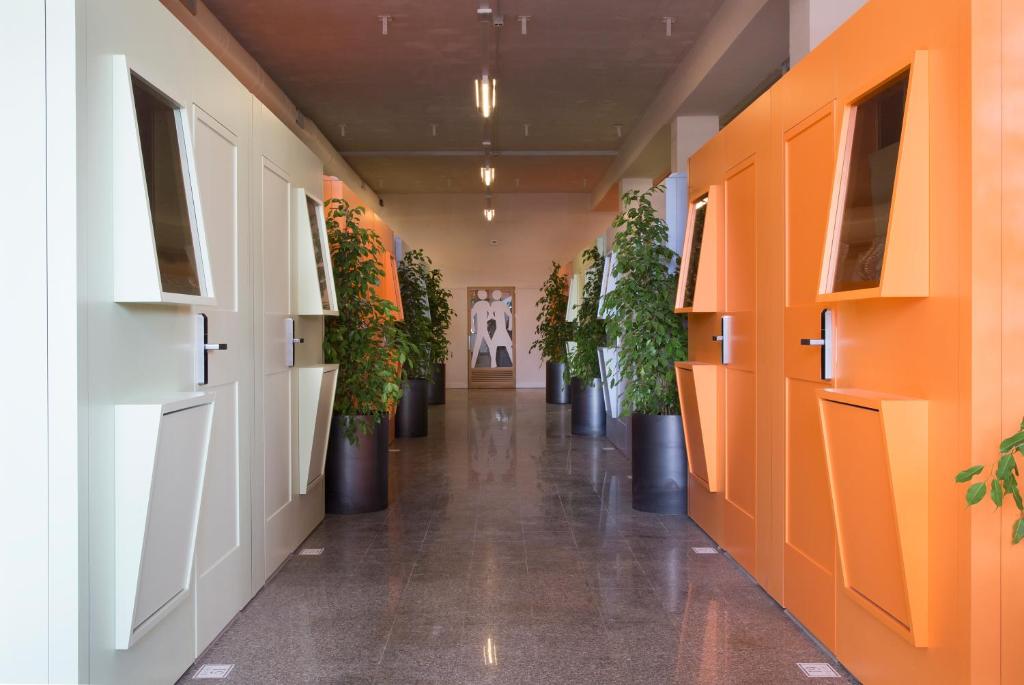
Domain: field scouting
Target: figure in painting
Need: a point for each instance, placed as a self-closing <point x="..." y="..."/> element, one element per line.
<point x="479" y="316"/>
<point x="501" y="337"/>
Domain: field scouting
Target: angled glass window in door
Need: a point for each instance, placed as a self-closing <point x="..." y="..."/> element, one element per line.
<point x="319" y="250"/>
<point x="700" y="208"/>
<point x="161" y="139"/>
<point x="874" y="130"/>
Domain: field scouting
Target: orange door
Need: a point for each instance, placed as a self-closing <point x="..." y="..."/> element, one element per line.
<point x="739" y="332"/>
<point x="807" y="134"/>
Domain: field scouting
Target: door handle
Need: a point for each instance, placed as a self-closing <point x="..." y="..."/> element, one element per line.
<point x="825" y="343"/>
<point x="203" y="347"/>
<point x="290" y="341"/>
<point x="725" y="338"/>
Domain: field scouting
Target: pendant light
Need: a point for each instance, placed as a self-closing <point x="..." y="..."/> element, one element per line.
<point x="486" y="90"/>
<point x="488" y="209"/>
<point x="487" y="174"/>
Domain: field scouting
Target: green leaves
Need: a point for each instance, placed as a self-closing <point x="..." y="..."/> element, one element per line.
<point x="553" y="331"/>
<point x="363" y="339"/>
<point x="1018" y="530"/>
<point x="651" y="336"/>
<point x="590" y="330"/>
<point x="1004" y="481"/>
<point x="968" y="474"/>
<point x="413" y="277"/>
<point x="975" y="493"/>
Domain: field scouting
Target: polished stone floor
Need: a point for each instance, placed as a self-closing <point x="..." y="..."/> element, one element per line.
<point x="511" y="555"/>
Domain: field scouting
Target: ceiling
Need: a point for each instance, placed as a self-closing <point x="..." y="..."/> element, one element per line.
<point x="400" y="107"/>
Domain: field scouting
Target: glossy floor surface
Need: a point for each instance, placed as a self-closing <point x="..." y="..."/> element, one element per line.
<point x="510" y="554"/>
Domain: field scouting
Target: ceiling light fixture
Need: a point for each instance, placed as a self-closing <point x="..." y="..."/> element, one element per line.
<point x="668" y="25"/>
<point x="487" y="174"/>
<point x="486" y="90"/>
<point x="488" y="209"/>
<point x="522" y="22"/>
<point x="384" y="20"/>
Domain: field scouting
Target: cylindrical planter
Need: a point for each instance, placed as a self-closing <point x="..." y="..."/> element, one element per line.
<point x="411" y="416"/>
<point x="587" y="407"/>
<point x="356" y="474"/>
<point x="659" y="464"/>
<point x="555" y="387"/>
<point x="435" y="387"/>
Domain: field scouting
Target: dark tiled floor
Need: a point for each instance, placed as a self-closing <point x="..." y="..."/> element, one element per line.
<point x="510" y="555"/>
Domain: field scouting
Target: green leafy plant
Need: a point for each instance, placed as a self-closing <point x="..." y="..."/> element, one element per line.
<point x="590" y="330"/>
<point x="1000" y="481"/>
<point x="364" y="339"/>
<point x="553" y="331"/>
<point x="441" y="314"/>
<point x="640" y="309"/>
<point x="413" y="275"/>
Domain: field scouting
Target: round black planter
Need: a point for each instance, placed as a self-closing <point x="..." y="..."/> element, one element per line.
<point x="555" y="387"/>
<point x="435" y="386"/>
<point x="659" y="464"/>
<point x="411" y="417"/>
<point x="587" y="407"/>
<point x="356" y="474"/>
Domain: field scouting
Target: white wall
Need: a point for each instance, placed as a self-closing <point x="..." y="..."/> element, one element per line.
<point x="24" y="553"/>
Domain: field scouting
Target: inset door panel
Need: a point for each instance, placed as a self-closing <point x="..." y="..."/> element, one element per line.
<point x="740" y="465"/>
<point x="809" y="527"/>
<point x="219" y="533"/>
<point x="809" y="532"/>
<point x="877" y="449"/>
<point x="700" y="395"/>
<point x="277" y="437"/>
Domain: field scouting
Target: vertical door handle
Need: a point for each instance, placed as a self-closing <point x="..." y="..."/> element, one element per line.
<point x="725" y="338"/>
<point x="824" y="343"/>
<point x="290" y="341"/>
<point x="203" y="347"/>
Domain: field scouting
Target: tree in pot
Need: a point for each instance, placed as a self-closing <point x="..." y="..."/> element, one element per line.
<point x="588" y="411"/>
<point x="652" y="338"/>
<point x="439" y="299"/>
<point x="554" y="333"/>
<point x="413" y="274"/>
<point x="368" y="346"/>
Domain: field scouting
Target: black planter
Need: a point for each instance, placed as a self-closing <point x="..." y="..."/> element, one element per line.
<point x="659" y="464"/>
<point x="435" y="387"/>
<point x="587" y="407"/>
<point x="356" y="474"/>
<point x="555" y="387"/>
<point x="411" y="417"/>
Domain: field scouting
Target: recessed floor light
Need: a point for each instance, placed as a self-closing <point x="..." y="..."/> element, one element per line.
<point x="311" y="552"/>
<point x="819" y="670"/>
<point x="705" y="550"/>
<point x="213" y="671"/>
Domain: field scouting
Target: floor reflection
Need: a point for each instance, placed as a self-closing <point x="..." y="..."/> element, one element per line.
<point x="510" y="554"/>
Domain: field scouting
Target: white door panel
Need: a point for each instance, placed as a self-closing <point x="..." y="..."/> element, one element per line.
<point x="223" y="547"/>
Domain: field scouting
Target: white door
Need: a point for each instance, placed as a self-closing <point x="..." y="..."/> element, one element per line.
<point x="279" y="406"/>
<point x="224" y="546"/>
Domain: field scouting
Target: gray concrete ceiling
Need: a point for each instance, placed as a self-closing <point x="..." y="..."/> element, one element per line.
<point x="584" y="67"/>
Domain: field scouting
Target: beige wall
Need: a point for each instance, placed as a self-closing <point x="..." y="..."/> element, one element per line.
<point x="531" y="230"/>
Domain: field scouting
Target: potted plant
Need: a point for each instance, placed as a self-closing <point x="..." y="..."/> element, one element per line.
<point x="588" y="411"/>
<point x="554" y="333"/>
<point x="652" y="338"/>
<point x="369" y="348"/>
<point x="413" y="274"/>
<point x="439" y="299"/>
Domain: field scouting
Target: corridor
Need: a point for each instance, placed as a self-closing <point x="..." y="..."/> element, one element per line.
<point x="510" y="554"/>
